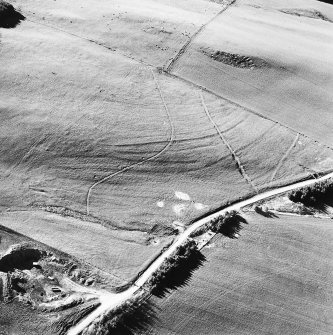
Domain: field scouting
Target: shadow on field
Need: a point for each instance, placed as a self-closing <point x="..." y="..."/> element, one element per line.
<point x="266" y="213"/>
<point x="180" y="275"/>
<point x="9" y="17"/>
<point x="322" y="207"/>
<point x="137" y="320"/>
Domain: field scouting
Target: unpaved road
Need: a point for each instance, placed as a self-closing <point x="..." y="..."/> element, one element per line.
<point x="165" y="148"/>
<point x="110" y="301"/>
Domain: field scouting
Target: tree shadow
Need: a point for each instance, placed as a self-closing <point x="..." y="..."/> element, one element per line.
<point x="321" y="207"/>
<point x="267" y="214"/>
<point x="10" y="18"/>
<point x="232" y="226"/>
<point x="137" y="320"/>
<point x="179" y="275"/>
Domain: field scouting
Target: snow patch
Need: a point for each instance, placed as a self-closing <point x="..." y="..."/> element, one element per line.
<point x="182" y="196"/>
<point x="179" y="208"/>
<point x="200" y="206"/>
<point x="160" y="204"/>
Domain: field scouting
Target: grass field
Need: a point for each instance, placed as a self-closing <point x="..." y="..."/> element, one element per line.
<point x="274" y="279"/>
<point x="290" y="87"/>
<point x="21" y="320"/>
<point x="99" y="246"/>
<point x="90" y="123"/>
<point x="86" y="126"/>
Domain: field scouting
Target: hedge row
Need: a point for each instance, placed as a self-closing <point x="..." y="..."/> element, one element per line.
<point x="219" y="224"/>
<point x="178" y="259"/>
<point x="321" y="192"/>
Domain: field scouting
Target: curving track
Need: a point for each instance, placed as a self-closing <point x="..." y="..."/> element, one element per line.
<point x="166" y="147"/>
<point x="111" y="301"/>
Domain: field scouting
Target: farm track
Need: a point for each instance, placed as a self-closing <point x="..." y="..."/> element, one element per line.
<point x="182" y="79"/>
<point x="284" y="157"/>
<point x="232" y="151"/>
<point x="185" y="47"/>
<point x="165" y="148"/>
<point x="111" y="301"/>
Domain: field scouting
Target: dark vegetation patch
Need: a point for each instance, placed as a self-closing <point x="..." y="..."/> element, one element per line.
<point x="72" y="317"/>
<point x="264" y="211"/>
<point x="9" y="17"/>
<point x="133" y="318"/>
<point x="176" y="270"/>
<point x="310" y="13"/>
<point x="228" y="225"/>
<point x="20" y="256"/>
<point x="235" y="60"/>
<point x="319" y="195"/>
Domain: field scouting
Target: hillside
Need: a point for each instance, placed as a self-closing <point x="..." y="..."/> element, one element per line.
<point x="122" y="122"/>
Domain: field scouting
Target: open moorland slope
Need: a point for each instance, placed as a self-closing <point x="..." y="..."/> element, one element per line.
<point x="273" y="57"/>
<point x="122" y="116"/>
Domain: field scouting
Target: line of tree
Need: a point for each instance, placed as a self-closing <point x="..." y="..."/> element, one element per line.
<point x="224" y="223"/>
<point x="182" y="254"/>
<point x="314" y="195"/>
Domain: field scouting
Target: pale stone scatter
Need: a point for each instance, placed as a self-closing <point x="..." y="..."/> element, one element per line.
<point x="160" y="204"/>
<point x="182" y="196"/>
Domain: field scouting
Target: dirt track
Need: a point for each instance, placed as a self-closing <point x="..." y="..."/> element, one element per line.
<point x="111" y="301"/>
<point x="166" y="147"/>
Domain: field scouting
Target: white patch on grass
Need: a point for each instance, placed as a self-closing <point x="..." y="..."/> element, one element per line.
<point x="182" y="196"/>
<point x="179" y="208"/>
<point x="200" y="206"/>
<point x="156" y="242"/>
<point x="160" y="204"/>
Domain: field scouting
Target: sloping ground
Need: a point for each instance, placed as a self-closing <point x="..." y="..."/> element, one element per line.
<point x="84" y="127"/>
<point x="65" y="128"/>
<point x="294" y="84"/>
<point x="19" y="319"/>
<point x="101" y="247"/>
<point x="274" y="279"/>
<point x="152" y="30"/>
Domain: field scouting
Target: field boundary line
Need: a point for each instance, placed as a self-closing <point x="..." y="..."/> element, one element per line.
<point x="171" y="63"/>
<point x="246" y="109"/>
<point x="165" y="148"/>
<point x="224" y="140"/>
<point x="285" y="156"/>
<point x="101" y="44"/>
<point x="184" y="80"/>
